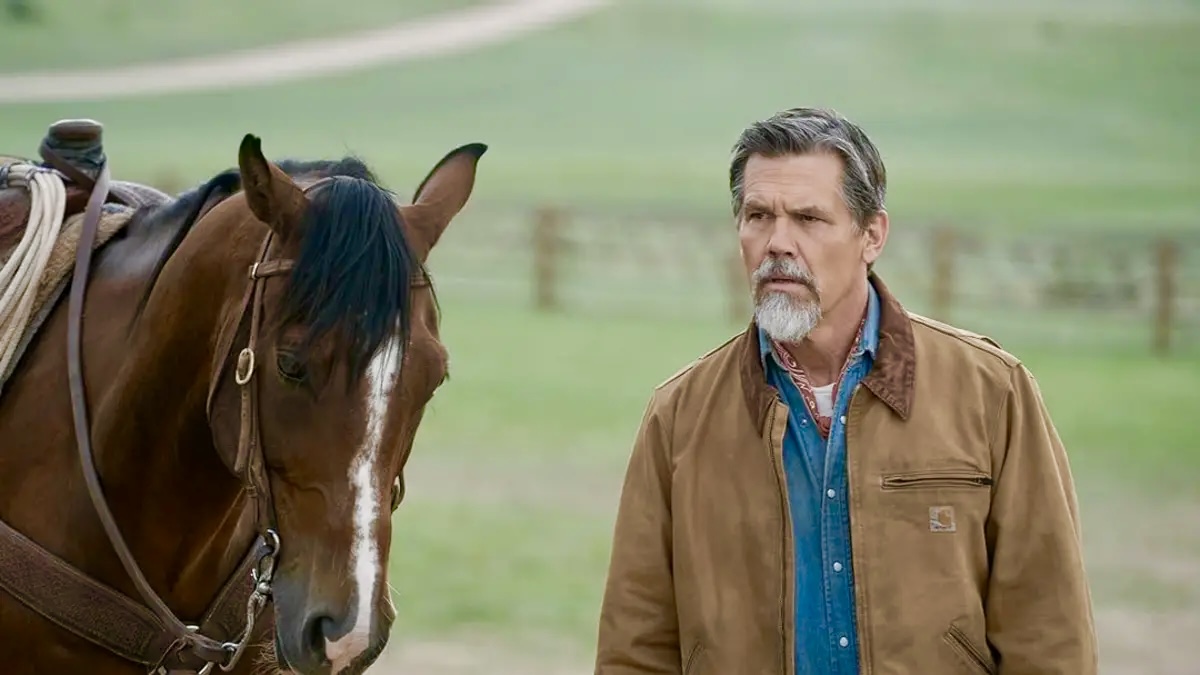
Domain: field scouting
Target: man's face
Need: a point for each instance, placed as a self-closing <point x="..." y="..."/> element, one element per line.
<point x="802" y="249"/>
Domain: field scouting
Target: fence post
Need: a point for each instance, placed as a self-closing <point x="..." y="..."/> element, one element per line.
<point x="740" y="304"/>
<point x="547" y="247"/>
<point x="1166" y="262"/>
<point x="942" y="291"/>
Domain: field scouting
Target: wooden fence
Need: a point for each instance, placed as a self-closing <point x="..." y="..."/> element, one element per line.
<point x="1109" y="289"/>
<point x="1075" y="288"/>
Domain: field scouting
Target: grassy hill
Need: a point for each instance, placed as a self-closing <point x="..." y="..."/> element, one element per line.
<point x="1056" y="113"/>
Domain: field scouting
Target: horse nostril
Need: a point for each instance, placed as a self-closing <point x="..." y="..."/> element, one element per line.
<point x="316" y="630"/>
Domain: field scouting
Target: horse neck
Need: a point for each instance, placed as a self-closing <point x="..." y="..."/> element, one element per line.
<point x="179" y="508"/>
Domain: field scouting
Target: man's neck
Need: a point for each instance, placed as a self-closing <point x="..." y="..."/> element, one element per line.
<point x="823" y="352"/>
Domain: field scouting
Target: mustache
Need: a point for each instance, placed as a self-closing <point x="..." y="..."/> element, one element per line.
<point x="783" y="268"/>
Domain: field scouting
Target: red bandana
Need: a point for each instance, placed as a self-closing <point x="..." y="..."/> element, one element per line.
<point x="800" y="379"/>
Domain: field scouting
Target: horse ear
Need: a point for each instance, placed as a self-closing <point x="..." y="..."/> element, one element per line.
<point x="272" y="195"/>
<point x="442" y="194"/>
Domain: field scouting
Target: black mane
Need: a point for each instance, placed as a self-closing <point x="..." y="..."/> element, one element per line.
<point x="352" y="276"/>
<point x="354" y="271"/>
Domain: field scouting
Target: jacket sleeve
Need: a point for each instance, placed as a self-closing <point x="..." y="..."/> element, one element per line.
<point x="638" y="631"/>
<point x="1039" y="609"/>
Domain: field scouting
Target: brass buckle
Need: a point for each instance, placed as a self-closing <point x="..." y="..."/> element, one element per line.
<point x="245" y="366"/>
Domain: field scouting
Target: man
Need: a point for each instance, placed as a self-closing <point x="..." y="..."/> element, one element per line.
<point x="845" y="487"/>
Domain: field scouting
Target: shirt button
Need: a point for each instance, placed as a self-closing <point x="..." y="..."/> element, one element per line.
<point x="837" y="567"/>
<point x="831" y="493"/>
<point x="843" y="642"/>
<point x="842" y="419"/>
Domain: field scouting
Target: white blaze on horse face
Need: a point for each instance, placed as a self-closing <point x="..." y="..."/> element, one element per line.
<point x="365" y="557"/>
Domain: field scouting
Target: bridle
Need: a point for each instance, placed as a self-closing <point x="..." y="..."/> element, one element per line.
<point x="188" y="648"/>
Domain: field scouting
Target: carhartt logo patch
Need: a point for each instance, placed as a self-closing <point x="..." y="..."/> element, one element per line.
<point x="941" y="519"/>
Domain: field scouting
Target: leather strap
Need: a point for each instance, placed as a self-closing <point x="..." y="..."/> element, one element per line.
<point x="226" y="616"/>
<point x="107" y="618"/>
<point x="62" y="594"/>
<point x="151" y="635"/>
<point x="66" y="168"/>
<point x="59" y="592"/>
<point x="249" y="463"/>
<point x="204" y="647"/>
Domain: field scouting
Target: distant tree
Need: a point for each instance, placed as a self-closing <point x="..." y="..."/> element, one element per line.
<point x="20" y="10"/>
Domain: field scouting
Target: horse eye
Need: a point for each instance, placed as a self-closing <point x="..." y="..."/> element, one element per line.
<point x="290" y="367"/>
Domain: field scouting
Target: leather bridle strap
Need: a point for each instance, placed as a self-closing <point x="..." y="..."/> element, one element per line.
<point x="105" y="617"/>
<point x="249" y="464"/>
<point x="203" y="647"/>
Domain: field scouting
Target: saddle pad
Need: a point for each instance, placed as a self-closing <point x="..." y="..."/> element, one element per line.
<point x="57" y="277"/>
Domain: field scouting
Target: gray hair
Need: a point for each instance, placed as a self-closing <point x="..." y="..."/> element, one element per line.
<point x="800" y="131"/>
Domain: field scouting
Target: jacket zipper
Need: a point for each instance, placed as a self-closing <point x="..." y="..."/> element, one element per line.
<point x="912" y="480"/>
<point x="959" y="641"/>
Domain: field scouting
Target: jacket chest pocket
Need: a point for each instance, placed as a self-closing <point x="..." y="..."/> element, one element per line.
<point x="927" y="480"/>
<point x="937" y="501"/>
<point x="928" y="554"/>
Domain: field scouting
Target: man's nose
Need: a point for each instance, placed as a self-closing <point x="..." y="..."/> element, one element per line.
<point x="782" y="243"/>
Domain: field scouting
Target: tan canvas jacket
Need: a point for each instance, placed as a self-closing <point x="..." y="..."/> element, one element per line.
<point x="965" y="531"/>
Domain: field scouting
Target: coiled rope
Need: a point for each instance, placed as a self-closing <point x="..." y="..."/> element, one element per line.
<point x="23" y="270"/>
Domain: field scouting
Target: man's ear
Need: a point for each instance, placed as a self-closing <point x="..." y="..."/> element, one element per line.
<point x="442" y="194"/>
<point x="875" y="236"/>
<point x="272" y="195"/>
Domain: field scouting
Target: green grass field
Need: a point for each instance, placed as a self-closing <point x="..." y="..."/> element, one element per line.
<point x="69" y="34"/>
<point x="514" y="479"/>
<point x="1060" y="116"/>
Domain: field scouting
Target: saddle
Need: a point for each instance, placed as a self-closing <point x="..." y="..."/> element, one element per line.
<point x="75" y="149"/>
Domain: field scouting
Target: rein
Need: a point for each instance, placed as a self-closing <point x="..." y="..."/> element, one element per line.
<point x="205" y="651"/>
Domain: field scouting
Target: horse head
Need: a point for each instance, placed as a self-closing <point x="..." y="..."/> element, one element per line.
<point x="327" y="353"/>
<point x="247" y="364"/>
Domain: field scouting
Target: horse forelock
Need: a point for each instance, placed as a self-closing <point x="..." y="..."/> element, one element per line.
<point x="353" y="271"/>
<point x="353" y="268"/>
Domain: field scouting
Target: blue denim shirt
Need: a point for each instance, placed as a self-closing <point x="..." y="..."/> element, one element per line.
<point x="826" y="640"/>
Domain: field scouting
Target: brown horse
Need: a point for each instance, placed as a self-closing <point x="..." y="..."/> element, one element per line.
<point x="257" y="355"/>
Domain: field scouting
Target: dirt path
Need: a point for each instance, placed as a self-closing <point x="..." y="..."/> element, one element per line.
<point x="439" y="35"/>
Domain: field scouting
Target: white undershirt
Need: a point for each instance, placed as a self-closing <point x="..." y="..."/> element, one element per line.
<point x="824" y="396"/>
